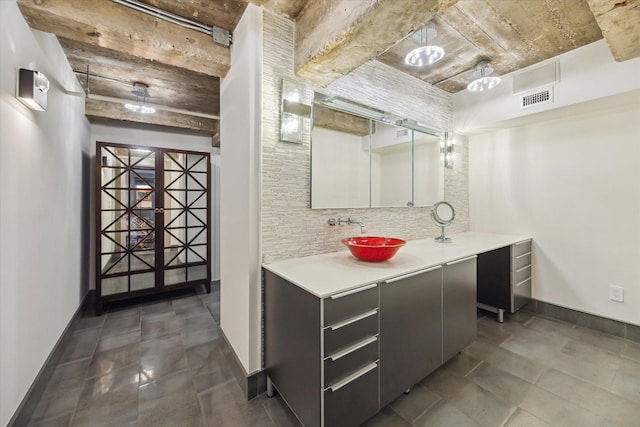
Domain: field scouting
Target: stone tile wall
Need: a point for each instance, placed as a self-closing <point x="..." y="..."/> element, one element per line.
<point x="289" y="227"/>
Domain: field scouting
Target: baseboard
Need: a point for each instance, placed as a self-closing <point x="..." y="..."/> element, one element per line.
<point x="603" y="324"/>
<point x="252" y="385"/>
<point x="31" y="399"/>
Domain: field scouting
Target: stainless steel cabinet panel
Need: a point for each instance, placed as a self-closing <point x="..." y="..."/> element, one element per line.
<point x="459" y="327"/>
<point x="352" y="401"/>
<point x="521" y="293"/>
<point x="520" y="274"/>
<point x="341" y="335"/>
<point x="345" y="305"/>
<point x="517" y="262"/>
<point x="410" y="331"/>
<point x="520" y="248"/>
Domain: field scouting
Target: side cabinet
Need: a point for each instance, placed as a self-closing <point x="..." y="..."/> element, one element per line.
<point x="322" y="354"/>
<point x="504" y="278"/>
<point x="410" y="330"/>
<point x="459" y="327"/>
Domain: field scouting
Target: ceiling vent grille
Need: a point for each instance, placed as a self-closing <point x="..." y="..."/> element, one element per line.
<point x="402" y="132"/>
<point x="543" y="96"/>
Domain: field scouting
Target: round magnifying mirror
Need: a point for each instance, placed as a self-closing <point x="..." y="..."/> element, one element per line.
<point x="442" y="214"/>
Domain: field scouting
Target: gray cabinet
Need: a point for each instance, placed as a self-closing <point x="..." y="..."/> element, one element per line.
<point x="458" y="306"/>
<point x="504" y="278"/>
<point x="410" y="331"/>
<point x="322" y="354"/>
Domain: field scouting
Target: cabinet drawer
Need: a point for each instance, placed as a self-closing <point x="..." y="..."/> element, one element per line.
<point x="352" y="401"/>
<point x="349" y="360"/>
<point x="520" y="248"/>
<point x="520" y="261"/>
<point x="520" y="274"/>
<point x="347" y="304"/>
<point x="521" y="293"/>
<point x="344" y="334"/>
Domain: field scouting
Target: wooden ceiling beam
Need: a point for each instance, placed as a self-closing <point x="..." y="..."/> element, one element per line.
<point x="116" y="111"/>
<point x="334" y="37"/>
<point x="122" y="29"/>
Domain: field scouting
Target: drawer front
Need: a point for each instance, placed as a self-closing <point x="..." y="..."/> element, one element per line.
<point x="521" y="293"/>
<point x="352" y="403"/>
<point x="345" y="305"/>
<point x="520" y="248"/>
<point x="344" y="363"/>
<point x="520" y="261"/>
<point x="520" y="274"/>
<point x="344" y="334"/>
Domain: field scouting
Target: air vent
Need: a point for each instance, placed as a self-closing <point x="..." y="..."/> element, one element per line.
<point x="544" y="96"/>
<point x="402" y="132"/>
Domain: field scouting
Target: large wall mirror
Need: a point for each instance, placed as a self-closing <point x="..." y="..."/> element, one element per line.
<point x="362" y="157"/>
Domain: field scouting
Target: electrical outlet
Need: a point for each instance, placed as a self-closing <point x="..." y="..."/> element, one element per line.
<point x="616" y="293"/>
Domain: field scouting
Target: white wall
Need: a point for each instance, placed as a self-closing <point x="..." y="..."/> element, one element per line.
<point x="240" y="141"/>
<point x="572" y="181"/>
<point x="166" y="139"/>
<point x="44" y="193"/>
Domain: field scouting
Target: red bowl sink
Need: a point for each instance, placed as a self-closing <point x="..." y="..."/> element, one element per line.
<point x="373" y="249"/>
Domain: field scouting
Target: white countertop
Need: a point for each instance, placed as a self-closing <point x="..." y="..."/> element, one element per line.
<point x="328" y="274"/>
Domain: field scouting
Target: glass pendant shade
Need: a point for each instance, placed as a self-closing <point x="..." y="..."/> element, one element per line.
<point x="425" y="54"/>
<point x="483" y="82"/>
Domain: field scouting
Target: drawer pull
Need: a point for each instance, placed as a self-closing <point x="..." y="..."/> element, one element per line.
<point x="522" y="242"/>
<point x="523" y="255"/>
<point x="353" y="291"/>
<point x="415" y="273"/>
<point x="523" y="268"/>
<point x="462" y="260"/>
<point x="353" y="320"/>
<point x="522" y="281"/>
<point x="353" y="348"/>
<point x="337" y="386"/>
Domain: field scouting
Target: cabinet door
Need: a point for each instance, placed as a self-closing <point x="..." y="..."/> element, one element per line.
<point x="459" y="327"/>
<point x="494" y="278"/>
<point x="410" y="331"/>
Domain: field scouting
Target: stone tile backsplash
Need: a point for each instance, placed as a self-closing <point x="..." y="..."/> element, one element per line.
<point x="285" y="212"/>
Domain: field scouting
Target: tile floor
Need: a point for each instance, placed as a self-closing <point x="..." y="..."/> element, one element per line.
<point x="165" y="364"/>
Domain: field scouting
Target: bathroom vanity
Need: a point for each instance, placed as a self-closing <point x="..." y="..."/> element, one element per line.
<point x="343" y="338"/>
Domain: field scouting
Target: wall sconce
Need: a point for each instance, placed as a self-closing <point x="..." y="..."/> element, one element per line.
<point x="292" y="112"/>
<point x="32" y="89"/>
<point x="447" y="150"/>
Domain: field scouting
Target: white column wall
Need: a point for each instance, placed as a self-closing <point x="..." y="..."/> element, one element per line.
<point x="44" y="217"/>
<point x="573" y="183"/>
<point x="240" y="142"/>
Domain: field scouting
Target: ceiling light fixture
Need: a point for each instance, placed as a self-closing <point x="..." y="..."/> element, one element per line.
<point x="483" y="82"/>
<point x="140" y="90"/>
<point x="426" y="54"/>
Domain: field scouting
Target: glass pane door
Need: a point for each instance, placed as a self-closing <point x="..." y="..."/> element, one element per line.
<point x="185" y="231"/>
<point x="127" y="219"/>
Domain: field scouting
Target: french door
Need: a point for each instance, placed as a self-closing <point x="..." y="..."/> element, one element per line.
<point x="152" y="221"/>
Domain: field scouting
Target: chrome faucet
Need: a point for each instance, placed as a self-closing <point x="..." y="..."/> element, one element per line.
<point x="349" y="221"/>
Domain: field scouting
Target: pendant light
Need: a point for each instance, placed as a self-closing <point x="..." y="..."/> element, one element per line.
<point x="426" y="54"/>
<point x="140" y="91"/>
<point x="483" y="81"/>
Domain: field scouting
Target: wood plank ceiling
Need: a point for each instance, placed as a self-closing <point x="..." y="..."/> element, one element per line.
<point x="114" y="46"/>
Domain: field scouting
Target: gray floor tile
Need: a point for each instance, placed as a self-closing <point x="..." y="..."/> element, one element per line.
<point x="108" y="361"/>
<point x="632" y="351"/>
<point x="596" y="355"/>
<point x="117" y="341"/>
<point x="198" y="322"/>
<point x="443" y="414"/>
<point x="534" y="344"/>
<point x="120" y="324"/>
<point x="169" y="401"/>
<point x="157" y="325"/>
<point x="61" y="420"/>
<point x="471" y="399"/>
<point x="385" y="418"/>
<point x="557" y="411"/>
<point x="88" y="321"/>
<point x="522" y="418"/>
<point x="109" y="400"/>
<point x="81" y="345"/>
<point x="418" y="401"/>
<point x="502" y="385"/>
<point x="156" y="308"/>
<point x="462" y="364"/>
<point x="494" y="332"/>
<point x="506" y="361"/>
<point x="280" y="412"/>
<point x="600" y="402"/>
<point x="209" y="366"/>
<point x="225" y="405"/>
<point x="191" y="310"/>
<point x="162" y="356"/>
<point x="627" y="384"/>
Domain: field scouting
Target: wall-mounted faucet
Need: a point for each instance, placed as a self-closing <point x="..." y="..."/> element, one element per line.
<point x="349" y="221"/>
